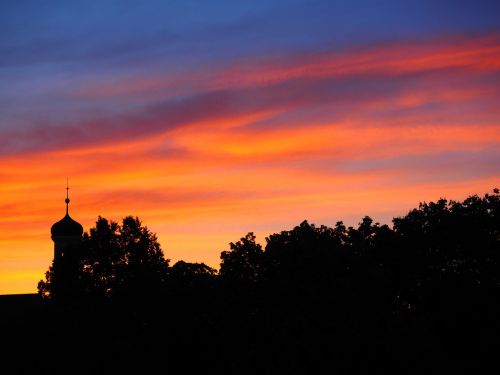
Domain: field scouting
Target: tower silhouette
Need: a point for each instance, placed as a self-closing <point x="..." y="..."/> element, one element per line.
<point x="66" y="233"/>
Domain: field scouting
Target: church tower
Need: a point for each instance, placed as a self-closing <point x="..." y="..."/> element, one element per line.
<point x="66" y="233"/>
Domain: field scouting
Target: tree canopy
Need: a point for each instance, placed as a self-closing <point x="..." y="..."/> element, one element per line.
<point x="113" y="259"/>
<point x="421" y="294"/>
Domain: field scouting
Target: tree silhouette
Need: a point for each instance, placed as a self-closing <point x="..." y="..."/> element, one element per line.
<point x="103" y="258"/>
<point x="419" y="296"/>
<point x="143" y="267"/>
<point x="191" y="273"/>
<point x="112" y="259"/>
<point x="192" y="285"/>
<point x="243" y="263"/>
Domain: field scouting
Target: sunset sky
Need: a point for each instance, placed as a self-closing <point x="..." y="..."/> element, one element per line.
<point x="210" y="119"/>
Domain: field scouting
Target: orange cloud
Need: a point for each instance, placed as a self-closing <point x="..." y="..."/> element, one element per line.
<point x="259" y="146"/>
<point x="480" y="53"/>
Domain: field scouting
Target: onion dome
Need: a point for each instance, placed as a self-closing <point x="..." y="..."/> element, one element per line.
<point x="66" y="226"/>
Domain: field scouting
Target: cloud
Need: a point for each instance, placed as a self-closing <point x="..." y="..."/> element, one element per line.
<point x="262" y="142"/>
<point x="374" y="84"/>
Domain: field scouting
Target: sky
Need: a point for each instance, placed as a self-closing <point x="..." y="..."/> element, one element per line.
<point x="211" y="119"/>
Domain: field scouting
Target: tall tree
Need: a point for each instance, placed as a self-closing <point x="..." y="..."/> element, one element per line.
<point x="243" y="263"/>
<point x="113" y="259"/>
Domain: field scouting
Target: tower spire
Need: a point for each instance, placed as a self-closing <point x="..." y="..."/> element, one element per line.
<point x="67" y="196"/>
<point x="66" y="233"/>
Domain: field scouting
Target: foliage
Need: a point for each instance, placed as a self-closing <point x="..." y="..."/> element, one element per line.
<point x="112" y="259"/>
<point x="421" y="295"/>
<point x="243" y="262"/>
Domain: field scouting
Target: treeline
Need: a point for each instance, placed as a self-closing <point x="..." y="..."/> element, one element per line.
<point x="422" y="295"/>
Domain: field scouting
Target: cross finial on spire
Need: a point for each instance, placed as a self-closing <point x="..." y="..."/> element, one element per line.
<point x="67" y="195"/>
